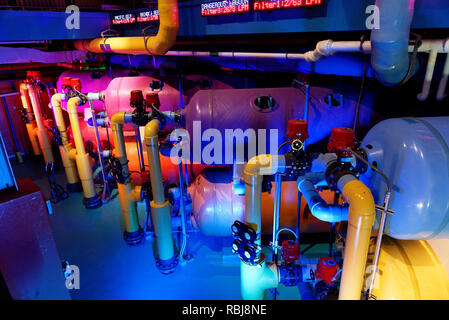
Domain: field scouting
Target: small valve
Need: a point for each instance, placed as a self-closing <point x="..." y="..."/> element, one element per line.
<point x="75" y="84"/>
<point x="326" y="270"/>
<point x="66" y="82"/>
<point x="152" y="99"/>
<point x="136" y="99"/>
<point x="297" y="129"/>
<point x="341" y="139"/>
<point x="290" y="251"/>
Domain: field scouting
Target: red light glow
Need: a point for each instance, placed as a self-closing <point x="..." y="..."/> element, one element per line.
<point x="224" y="7"/>
<point x="267" y="5"/>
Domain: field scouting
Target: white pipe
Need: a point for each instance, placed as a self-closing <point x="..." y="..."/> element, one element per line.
<point x="323" y="49"/>
<point x="443" y="81"/>
<point x="429" y="75"/>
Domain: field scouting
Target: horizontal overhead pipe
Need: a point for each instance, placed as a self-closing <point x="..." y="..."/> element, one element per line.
<point x="156" y="45"/>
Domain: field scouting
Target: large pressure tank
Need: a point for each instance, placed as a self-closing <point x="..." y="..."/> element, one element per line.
<point x="414" y="154"/>
<point x="216" y="206"/>
<point x="262" y="108"/>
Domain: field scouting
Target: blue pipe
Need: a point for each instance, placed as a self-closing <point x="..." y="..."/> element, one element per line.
<point x="319" y="208"/>
<point x="389" y="43"/>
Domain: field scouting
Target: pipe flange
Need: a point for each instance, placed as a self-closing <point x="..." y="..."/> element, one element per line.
<point x="335" y="170"/>
<point x="290" y="274"/>
<point x="167" y="266"/>
<point x="74" y="187"/>
<point x="92" y="203"/>
<point x="134" y="238"/>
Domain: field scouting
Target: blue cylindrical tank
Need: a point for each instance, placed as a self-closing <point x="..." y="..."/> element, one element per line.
<point x="414" y="154"/>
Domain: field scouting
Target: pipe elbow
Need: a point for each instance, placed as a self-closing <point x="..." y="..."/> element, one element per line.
<point x="329" y="212"/>
<point x="152" y="129"/>
<point x="361" y="203"/>
<point x="265" y="164"/>
<point x="168" y="29"/>
<point x="117" y="119"/>
<point x="72" y="105"/>
<point x="56" y="100"/>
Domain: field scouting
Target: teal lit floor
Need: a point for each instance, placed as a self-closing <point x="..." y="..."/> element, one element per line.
<point x="109" y="269"/>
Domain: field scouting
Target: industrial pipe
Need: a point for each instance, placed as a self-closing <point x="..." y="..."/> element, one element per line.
<point x="91" y="199"/>
<point x="128" y="193"/>
<point x="157" y="45"/>
<point x="256" y="279"/>
<point x="160" y="211"/>
<point x="390" y="58"/>
<point x="30" y="123"/>
<point x="318" y="207"/>
<point x="68" y="153"/>
<point x="360" y="222"/>
<point x="41" y="131"/>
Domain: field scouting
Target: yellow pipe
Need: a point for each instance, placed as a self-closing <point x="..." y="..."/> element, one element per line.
<point x="360" y="222"/>
<point x="156" y="45"/>
<point x="82" y="158"/>
<point x="30" y="123"/>
<point x="41" y="130"/>
<point x="160" y="210"/>
<point x="66" y="149"/>
<point x="256" y="279"/>
<point x="128" y="193"/>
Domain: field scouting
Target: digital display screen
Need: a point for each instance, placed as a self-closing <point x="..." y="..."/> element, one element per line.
<point x="268" y="5"/>
<point x="124" y="18"/>
<point x="224" y="7"/>
<point x="150" y="15"/>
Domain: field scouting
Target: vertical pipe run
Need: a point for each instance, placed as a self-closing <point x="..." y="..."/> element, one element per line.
<point x="41" y="130"/>
<point x="360" y="222"/>
<point x="30" y="122"/>
<point x="160" y="210"/>
<point x="91" y="199"/>
<point x="66" y="150"/>
<point x="129" y="194"/>
<point x="443" y="81"/>
<point x="429" y="75"/>
<point x="256" y="279"/>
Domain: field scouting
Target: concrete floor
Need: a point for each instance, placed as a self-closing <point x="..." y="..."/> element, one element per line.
<point x="110" y="269"/>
